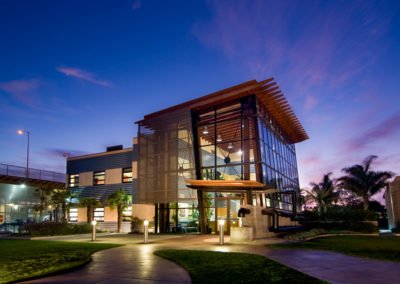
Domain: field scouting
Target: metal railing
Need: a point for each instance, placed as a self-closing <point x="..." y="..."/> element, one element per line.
<point x="16" y="171"/>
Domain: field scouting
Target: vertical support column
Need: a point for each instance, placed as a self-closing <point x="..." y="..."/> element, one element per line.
<point x="200" y="197"/>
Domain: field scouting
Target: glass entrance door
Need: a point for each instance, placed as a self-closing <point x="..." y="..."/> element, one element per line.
<point x="227" y="208"/>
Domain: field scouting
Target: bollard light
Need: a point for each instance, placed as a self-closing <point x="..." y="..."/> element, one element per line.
<point x="221" y="224"/>
<point x="94" y="223"/>
<point x="146" y="231"/>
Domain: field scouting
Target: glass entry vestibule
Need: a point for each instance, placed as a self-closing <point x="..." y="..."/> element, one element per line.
<point x="222" y="206"/>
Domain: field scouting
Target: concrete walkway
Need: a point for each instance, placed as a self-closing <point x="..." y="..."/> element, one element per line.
<point x="136" y="263"/>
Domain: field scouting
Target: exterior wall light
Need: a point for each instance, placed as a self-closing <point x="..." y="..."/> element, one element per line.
<point x="94" y="223"/>
<point x="146" y="231"/>
<point x="221" y="224"/>
<point x="205" y="130"/>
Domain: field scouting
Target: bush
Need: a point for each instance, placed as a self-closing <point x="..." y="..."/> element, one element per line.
<point x="396" y="230"/>
<point x="53" y="229"/>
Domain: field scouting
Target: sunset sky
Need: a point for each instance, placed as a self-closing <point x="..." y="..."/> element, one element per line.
<point x="78" y="74"/>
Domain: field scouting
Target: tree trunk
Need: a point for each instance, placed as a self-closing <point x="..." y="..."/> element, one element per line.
<point x="64" y="212"/>
<point x="365" y="202"/>
<point x="119" y="219"/>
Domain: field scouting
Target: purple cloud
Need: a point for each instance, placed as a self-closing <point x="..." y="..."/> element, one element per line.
<point x="136" y="4"/>
<point x="383" y="130"/>
<point x="83" y="75"/>
<point x="21" y="90"/>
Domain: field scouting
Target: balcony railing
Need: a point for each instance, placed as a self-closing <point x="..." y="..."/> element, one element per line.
<point x="16" y="171"/>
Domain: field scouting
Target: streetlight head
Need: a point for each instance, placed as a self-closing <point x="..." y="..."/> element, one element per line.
<point x="146" y="223"/>
<point x="94" y="223"/>
<point x="20" y="132"/>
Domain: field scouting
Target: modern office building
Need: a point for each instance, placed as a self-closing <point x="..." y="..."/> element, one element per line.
<point x="100" y="175"/>
<point x="201" y="161"/>
<point x="392" y="198"/>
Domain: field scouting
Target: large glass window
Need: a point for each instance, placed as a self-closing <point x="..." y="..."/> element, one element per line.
<point x="99" y="178"/>
<point x="73" y="180"/>
<point x="127" y="175"/>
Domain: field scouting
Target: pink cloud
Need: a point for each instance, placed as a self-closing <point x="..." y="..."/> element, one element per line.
<point x="136" y="4"/>
<point x="383" y="130"/>
<point x="21" y="90"/>
<point x="83" y="75"/>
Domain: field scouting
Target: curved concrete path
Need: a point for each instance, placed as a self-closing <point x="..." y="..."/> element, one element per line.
<point x="136" y="263"/>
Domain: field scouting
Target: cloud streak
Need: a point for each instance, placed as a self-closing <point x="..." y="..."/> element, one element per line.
<point x="82" y="75"/>
<point x="383" y="130"/>
<point x="22" y="90"/>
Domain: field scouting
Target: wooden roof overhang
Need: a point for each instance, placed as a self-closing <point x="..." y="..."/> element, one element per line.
<point x="268" y="93"/>
<point x="228" y="185"/>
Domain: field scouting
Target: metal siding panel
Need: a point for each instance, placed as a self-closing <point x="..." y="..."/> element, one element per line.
<point x="100" y="163"/>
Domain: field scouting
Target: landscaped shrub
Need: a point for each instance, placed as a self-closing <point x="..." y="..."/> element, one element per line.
<point x="52" y="229"/>
<point x="396" y="230"/>
<point x="341" y="218"/>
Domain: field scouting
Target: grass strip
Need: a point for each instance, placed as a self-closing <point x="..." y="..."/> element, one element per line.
<point x="384" y="248"/>
<point x="25" y="259"/>
<point x="230" y="267"/>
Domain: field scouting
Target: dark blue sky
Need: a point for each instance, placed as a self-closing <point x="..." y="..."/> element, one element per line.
<point x="77" y="74"/>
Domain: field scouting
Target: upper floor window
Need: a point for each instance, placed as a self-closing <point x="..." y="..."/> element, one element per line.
<point x="127" y="175"/>
<point x="99" y="178"/>
<point x="73" y="180"/>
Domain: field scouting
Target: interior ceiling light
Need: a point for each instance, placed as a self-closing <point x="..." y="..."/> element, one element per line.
<point x="219" y="138"/>
<point x="205" y="130"/>
<point x="230" y="146"/>
<point x="240" y="152"/>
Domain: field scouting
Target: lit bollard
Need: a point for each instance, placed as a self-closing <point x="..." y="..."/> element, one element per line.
<point x="94" y="223"/>
<point x="221" y="224"/>
<point x="146" y="231"/>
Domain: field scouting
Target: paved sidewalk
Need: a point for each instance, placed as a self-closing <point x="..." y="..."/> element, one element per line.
<point x="136" y="263"/>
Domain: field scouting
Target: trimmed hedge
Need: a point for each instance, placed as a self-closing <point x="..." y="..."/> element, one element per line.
<point x="53" y="229"/>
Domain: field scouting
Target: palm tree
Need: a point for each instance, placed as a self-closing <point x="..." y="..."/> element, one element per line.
<point x="90" y="203"/>
<point x="120" y="200"/>
<point x="60" y="198"/>
<point x="363" y="181"/>
<point x="322" y="193"/>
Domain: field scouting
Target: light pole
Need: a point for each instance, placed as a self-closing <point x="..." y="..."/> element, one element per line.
<point x="146" y="231"/>
<point x="21" y="132"/>
<point x="221" y="224"/>
<point x="94" y="223"/>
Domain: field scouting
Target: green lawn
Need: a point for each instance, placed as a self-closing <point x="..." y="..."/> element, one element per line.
<point x="224" y="267"/>
<point x="387" y="248"/>
<point x="23" y="259"/>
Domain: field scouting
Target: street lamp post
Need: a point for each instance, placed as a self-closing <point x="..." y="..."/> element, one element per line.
<point x="21" y="132"/>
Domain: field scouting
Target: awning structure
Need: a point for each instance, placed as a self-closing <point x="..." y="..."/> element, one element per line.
<point x="229" y="185"/>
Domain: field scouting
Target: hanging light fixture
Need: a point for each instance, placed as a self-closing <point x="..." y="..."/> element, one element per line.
<point x="240" y="152"/>
<point x="230" y="146"/>
<point x="219" y="138"/>
<point x="205" y="130"/>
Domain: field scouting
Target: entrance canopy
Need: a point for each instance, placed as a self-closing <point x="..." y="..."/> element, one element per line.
<point x="229" y="185"/>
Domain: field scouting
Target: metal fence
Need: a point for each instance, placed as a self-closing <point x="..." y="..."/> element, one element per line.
<point x="16" y="171"/>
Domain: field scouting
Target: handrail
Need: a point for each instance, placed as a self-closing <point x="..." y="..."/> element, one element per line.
<point x="17" y="171"/>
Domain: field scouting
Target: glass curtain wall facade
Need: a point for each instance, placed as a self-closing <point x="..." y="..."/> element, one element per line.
<point x="241" y="141"/>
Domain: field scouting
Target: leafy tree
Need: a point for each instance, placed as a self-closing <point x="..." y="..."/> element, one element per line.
<point x="363" y="181"/>
<point x="59" y="199"/>
<point x="119" y="200"/>
<point x="44" y="194"/>
<point x="322" y="193"/>
<point x="90" y="203"/>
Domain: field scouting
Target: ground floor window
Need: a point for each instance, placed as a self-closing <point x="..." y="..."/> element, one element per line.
<point x="99" y="214"/>
<point x="73" y="215"/>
